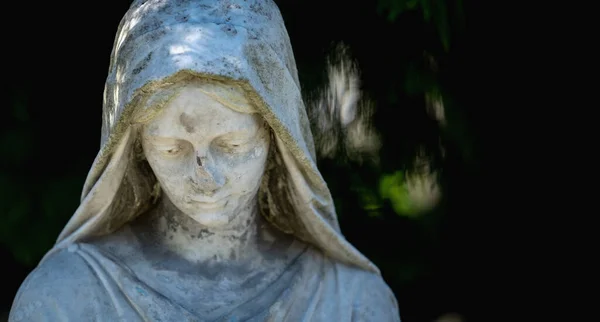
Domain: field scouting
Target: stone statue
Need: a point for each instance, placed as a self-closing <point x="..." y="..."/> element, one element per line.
<point x="204" y="202"/>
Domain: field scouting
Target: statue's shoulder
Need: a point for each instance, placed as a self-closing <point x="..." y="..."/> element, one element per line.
<point x="63" y="286"/>
<point x="372" y="298"/>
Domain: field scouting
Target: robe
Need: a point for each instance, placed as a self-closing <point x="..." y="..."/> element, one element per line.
<point x="86" y="282"/>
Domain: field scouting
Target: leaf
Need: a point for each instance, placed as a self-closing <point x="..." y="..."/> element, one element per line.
<point x="426" y="7"/>
<point x="412" y="4"/>
<point x="404" y="196"/>
<point x="441" y="21"/>
<point x="392" y="188"/>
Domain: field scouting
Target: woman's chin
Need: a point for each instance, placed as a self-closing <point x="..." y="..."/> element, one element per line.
<point x="210" y="219"/>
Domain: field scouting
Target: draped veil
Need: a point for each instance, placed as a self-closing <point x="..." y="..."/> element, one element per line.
<point x="234" y="42"/>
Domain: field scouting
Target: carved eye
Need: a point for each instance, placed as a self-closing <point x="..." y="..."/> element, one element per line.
<point x="174" y="150"/>
<point x="231" y="146"/>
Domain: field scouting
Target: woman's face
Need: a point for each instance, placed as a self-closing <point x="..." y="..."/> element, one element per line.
<point x="208" y="158"/>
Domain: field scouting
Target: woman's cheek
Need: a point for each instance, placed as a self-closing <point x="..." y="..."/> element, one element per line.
<point x="235" y="179"/>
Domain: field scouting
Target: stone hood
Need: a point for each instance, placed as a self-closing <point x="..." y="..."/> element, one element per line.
<point x="160" y="42"/>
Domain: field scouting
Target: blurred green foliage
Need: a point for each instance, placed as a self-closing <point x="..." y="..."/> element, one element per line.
<point x="393" y="187"/>
<point x="438" y="12"/>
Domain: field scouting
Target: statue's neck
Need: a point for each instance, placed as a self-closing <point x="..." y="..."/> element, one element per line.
<point x="178" y="233"/>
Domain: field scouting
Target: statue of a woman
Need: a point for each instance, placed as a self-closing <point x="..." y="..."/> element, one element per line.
<point x="204" y="202"/>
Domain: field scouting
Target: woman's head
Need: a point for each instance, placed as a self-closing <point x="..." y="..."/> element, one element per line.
<point x="207" y="149"/>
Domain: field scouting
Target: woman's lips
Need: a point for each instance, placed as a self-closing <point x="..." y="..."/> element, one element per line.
<point x="208" y="203"/>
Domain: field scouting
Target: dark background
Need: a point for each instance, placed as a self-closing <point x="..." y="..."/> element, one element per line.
<point x="56" y="61"/>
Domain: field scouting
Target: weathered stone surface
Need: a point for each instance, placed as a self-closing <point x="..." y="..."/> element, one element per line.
<point x="204" y="202"/>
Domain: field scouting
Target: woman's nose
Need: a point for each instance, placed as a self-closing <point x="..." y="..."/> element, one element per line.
<point x="208" y="174"/>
